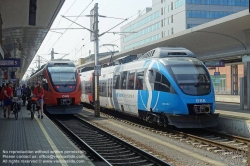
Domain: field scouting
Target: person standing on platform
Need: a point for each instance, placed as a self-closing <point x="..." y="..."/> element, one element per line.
<point x="18" y="91"/>
<point x="38" y="92"/>
<point x="28" y="94"/>
<point x="14" y="89"/>
<point x="2" y="95"/>
<point x="8" y="95"/>
<point x="24" y="94"/>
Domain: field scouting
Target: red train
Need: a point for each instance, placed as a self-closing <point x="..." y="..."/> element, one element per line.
<point x="62" y="86"/>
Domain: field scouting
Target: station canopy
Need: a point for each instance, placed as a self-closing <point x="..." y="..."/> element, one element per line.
<point x="224" y="39"/>
<point x="25" y="24"/>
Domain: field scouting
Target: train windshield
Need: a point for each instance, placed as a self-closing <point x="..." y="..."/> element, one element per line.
<point x="192" y="79"/>
<point x="63" y="78"/>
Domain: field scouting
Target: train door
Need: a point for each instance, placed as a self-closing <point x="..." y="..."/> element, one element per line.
<point x="110" y="90"/>
<point x="92" y="88"/>
<point x="132" y="97"/>
<point x="142" y="90"/>
<point x="116" y="92"/>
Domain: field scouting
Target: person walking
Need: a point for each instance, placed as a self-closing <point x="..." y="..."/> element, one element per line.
<point x="38" y="92"/>
<point x="8" y="95"/>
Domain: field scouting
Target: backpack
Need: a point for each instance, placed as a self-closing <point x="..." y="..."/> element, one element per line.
<point x="29" y="104"/>
<point x="2" y="94"/>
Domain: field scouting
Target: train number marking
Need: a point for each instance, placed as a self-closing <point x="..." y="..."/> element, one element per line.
<point x="200" y="100"/>
<point x="65" y="96"/>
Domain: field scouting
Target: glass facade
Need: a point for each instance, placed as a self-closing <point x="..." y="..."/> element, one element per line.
<point x="144" y="41"/>
<point x="143" y="21"/>
<point x="179" y="3"/>
<point x="142" y="32"/>
<point x="191" y="25"/>
<point x="220" y="2"/>
<point x="207" y="14"/>
<point x="198" y="15"/>
<point x="219" y="82"/>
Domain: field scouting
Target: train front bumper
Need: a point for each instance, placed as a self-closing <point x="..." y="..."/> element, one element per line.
<point x="71" y="109"/>
<point x="193" y="121"/>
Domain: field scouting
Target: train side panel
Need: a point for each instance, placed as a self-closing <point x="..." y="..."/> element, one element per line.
<point x="172" y="90"/>
<point x="63" y="95"/>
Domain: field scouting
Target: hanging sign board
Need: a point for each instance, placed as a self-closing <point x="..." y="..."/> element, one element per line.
<point x="220" y="63"/>
<point x="1" y="52"/>
<point x="246" y="59"/>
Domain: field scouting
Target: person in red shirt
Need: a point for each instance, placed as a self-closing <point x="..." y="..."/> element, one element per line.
<point x="8" y="95"/>
<point x="38" y="92"/>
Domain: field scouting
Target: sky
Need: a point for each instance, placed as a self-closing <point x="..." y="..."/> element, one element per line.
<point x="75" y="43"/>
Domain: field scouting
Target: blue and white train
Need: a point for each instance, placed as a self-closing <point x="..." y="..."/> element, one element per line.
<point x="166" y="85"/>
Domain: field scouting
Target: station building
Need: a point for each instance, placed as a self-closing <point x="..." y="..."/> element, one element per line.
<point x="167" y="17"/>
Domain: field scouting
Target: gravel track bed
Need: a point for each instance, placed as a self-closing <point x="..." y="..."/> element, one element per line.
<point x="183" y="155"/>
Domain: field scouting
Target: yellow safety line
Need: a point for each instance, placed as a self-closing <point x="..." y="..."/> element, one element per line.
<point x="53" y="146"/>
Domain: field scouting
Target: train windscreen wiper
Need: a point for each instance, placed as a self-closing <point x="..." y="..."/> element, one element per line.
<point x="197" y="83"/>
<point x="73" y="78"/>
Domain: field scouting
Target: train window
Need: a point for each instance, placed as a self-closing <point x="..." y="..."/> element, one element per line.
<point x="139" y="80"/>
<point x="89" y="88"/>
<point x="162" y="84"/>
<point x="117" y="81"/>
<point x="110" y="87"/>
<point x="124" y="80"/>
<point x="45" y="84"/>
<point x="102" y="88"/>
<point x="131" y="80"/>
<point x="166" y="84"/>
<point x="192" y="79"/>
<point x="158" y="77"/>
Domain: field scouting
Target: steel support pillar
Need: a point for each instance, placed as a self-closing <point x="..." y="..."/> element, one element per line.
<point x="1" y="36"/>
<point x="1" y="30"/>
<point x="247" y="74"/>
<point x="234" y="80"/>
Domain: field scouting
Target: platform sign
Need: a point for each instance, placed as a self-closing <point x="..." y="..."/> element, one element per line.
<point x="15" y="62"/>
<point x="97" y="70"/>
<point x="1" y="51"/>
<point x="93" y="24"/>
<point x="246" y="59"/>
<point x="220" y="63"/>
<point x="216" y="73"/>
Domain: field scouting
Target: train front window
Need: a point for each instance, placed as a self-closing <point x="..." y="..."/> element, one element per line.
<point x="192" y="79"/>
<point x="63" y="78"/>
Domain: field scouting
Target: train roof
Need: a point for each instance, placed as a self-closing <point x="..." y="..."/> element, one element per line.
<point x="163" y="52"/>
<point x="60" y="62"/>
<point x="181" y="61"/>
<point x="55" y="62"/>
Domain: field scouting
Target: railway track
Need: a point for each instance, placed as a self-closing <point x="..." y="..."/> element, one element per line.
<point x="109" y="149"/>
<point x="226" y="145"/>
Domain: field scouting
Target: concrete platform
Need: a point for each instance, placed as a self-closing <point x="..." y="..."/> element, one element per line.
<point x="36" y="142"/>
<point x="228" y="98"/>
<point x="232" y="119"/>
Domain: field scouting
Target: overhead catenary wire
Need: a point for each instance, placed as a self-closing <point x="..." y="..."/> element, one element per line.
<point x="88" y="42"/>
<point x="58" y="24"/>
<point x="68" y="27"/>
